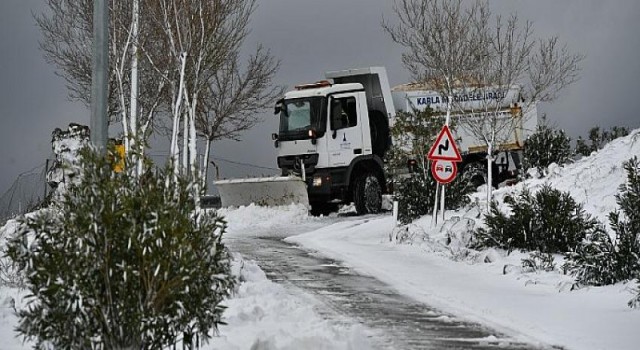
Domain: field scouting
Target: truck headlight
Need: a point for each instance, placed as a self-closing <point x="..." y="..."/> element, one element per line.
<point x="317" y="181"/>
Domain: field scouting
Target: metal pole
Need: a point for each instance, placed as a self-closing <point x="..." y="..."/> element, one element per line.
<point x="434" y="217"/>
<point x="100" y="75"/>
<point x="442" y="202"/>
<point x="46" y="170"/>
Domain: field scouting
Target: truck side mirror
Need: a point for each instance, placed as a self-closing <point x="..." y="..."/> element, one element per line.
<point x="278" y="107"/>
<point x="274" y="136"/>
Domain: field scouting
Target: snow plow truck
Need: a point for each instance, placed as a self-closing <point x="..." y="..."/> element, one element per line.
<point x="334" y="133"/>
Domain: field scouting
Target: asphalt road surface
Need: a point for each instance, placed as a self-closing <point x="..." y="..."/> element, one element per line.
<point x="395" y="321"/>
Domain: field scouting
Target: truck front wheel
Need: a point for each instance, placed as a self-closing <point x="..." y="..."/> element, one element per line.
<point x="367" y="194"/>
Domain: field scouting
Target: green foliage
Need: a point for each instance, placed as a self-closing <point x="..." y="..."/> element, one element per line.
<point x="416" y="195"/>
<point x="597" y="139"/>
<point x="600" y="260"/>
<point x="593" y="261"/>
<point x="549" y="221"/>
<point x="538" y="261"/>
<point x="122" y="262"/>
<point x="414" y="132"/>
<point x="546" y="146"/>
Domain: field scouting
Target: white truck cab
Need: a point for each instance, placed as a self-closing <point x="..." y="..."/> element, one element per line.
<point x="335" y="135"/>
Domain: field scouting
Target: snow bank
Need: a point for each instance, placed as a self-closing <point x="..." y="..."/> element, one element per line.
<point x="258" y="216"/>
<point x="592" y="181"/>
<point x="264" y="315"/>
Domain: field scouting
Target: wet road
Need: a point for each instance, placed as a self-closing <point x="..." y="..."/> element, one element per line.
<point x="397" y="322"/>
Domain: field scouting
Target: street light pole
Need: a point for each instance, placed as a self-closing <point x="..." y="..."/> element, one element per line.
<point x="100" y="75"/>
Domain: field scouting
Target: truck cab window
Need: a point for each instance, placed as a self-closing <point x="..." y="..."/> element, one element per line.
<point x="343" y="113"/>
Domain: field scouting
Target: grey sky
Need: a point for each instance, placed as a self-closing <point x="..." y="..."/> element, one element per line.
<point x="310" y="37"/>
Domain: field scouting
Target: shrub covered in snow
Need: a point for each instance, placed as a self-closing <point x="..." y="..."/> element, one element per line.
<point x="121" y="262"/>
<point x="599" y="260"/>
<point x="546" y="146"/>
<point x="416" y="195"/>
<point x="549" y="221"/>
<point x="538" y="261"/>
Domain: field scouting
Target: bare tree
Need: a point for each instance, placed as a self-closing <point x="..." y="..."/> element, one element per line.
<point x="235" y="99"/>
<point x="168" y="57"/>
<point x="67" y="43"/>
<point x="467" y="54"/>
<point x="201" y="39"/>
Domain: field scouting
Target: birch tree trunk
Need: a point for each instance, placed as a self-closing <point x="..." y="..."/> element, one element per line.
<point x="177" y="111"/>
<point x="185" y="142"/>
<point x="192" y="157"/>
<point x="137" y="157"/>
<point x="204" y="172"/>
<point x="489" y="174"/>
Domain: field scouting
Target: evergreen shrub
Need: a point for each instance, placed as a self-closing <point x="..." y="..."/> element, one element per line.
<point x="416" y="194"/>
<point x="599" y="260"/>
<point x="538" y="261"/>
<point x="546" y="146"/>
<point x="123" y="261"/>
<point x="598" y="138"/>
<point x="549" y="222"/>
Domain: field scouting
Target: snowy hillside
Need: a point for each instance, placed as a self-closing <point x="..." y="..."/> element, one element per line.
<point x="592" y="181"/>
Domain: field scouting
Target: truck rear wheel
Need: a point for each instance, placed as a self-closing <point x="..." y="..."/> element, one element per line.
<point x="367" y="194"/>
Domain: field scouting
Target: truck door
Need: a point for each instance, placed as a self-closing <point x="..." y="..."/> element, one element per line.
<point x="345" y="134"/>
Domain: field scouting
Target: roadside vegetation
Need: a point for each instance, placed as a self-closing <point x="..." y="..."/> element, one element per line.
<point x="121" y="261"/>
<point x="550" y="221"/>
<point x="415" y="187"/>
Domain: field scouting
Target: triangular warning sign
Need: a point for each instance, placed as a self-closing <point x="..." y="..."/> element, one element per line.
<point x="444" y="148"/>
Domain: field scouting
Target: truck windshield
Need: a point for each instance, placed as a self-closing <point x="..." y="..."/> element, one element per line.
<point x="298" y="116"/>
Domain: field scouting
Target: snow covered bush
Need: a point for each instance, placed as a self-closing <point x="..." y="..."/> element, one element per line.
<point x="546" y="146"/>
<point x="599" y="260"/>
<point x="415" y="195"/>
<point x="538" y="261"/>
<point x="549" y="221"/>
<point x="121" y="262"/>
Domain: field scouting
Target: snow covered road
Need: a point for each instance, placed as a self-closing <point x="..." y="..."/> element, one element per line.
<point x="395" y="321"/>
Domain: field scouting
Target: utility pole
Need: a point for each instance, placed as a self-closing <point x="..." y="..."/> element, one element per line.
<point x="100" y="75"/>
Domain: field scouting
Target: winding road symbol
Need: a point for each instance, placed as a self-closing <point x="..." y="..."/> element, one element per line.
<point x="445" y="147"/>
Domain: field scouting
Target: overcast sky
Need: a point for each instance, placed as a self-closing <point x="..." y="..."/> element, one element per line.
<point x="310" y="37"/>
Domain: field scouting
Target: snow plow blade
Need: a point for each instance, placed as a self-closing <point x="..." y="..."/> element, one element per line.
<point x="264" y="191"/>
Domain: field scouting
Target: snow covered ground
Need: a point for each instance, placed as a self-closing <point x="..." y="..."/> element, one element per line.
<point x="488" y="287"/>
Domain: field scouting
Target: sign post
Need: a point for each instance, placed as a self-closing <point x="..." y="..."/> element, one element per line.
<point x="444" y="155"/>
